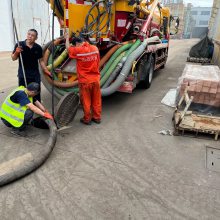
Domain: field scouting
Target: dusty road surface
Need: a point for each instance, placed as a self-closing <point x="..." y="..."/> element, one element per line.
<point x="121" y="169"/>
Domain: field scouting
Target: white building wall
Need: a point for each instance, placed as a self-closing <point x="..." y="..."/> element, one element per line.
<point x="6" y="34"/>
<point x="27" y="14"/>
<point x="31" y="14"/>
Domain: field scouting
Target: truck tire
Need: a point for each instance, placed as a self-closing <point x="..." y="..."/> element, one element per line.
<point x="145" y="72"/>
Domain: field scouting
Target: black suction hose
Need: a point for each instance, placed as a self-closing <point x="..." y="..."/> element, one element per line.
<point x="59" y="7"/>
<point x="23" y="165"/>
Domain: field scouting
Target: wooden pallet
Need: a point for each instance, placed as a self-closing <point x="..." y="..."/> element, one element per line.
<point x="198" y="60"/>
<point x="196" y="125"/>
<point x="186" y="121"/>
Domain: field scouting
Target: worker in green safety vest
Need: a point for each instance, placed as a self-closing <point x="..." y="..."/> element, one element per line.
<point x="18" y="108"/>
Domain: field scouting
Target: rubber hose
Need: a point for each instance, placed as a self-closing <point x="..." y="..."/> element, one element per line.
<point x="116" y="70"/>
<point x="59" y="84"/>
<point x="127" y="67"/>
<point x="111" y="69"/>
<point x="114" y="74"/>
<point x="49" y="87"/>
<point x="46" y="51"/>
<point x="114" y="56"/>
<point x="97" y="20"/>
<point x="57" y="92"/>
<point x="56" y="83"/>
<point x="117" y="60"/>
<point x="46" y="55"/>
<point x="56" y="11"/>
<point x="63" y="92"/>
<point x="59" y="7"/>
<point x="133" y="47"/>
<point x="44" y="80"/>
<point x="58" y="60"/>
<point x="107" y="55"/>
<point x="23" y="165"/>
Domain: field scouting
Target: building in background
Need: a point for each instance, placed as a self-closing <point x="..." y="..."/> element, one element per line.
<point x="27" y="14"/>
<point x="171" y="1"/>
<point x="214" y="31"/>
<point x="189" y="23"/>
<point x="177" y="10"/>
<point x="194" y="21"/>
<point x="201" y="16"/>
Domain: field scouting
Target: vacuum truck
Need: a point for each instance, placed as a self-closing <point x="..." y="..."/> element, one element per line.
<point x="131" y="35"/>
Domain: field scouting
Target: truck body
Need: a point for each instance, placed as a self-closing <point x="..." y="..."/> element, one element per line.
<point x="132" y="37"/>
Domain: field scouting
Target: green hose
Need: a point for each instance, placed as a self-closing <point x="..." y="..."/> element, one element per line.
<point x="111" y="68"/>
<point x="133" y="47"/>
<point x="60" y="59"/>
<point x="64" y="91"/>
<point x="56" y="49"/>
<point x="114" y="56"/>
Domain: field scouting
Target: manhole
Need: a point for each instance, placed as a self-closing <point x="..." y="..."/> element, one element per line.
<point x="213" y="159"/>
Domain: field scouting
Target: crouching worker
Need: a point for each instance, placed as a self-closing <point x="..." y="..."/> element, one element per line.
<point x="18" y="108"/>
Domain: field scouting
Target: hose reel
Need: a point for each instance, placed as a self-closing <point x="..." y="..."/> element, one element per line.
<point x="93" y="25"/>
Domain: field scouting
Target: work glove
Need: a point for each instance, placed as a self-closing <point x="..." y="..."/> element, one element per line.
<point x="18" y="50"/>
<point x="48" y="115"/>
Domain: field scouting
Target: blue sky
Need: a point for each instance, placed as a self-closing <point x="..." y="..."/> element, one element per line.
<point x="202" y="3"/>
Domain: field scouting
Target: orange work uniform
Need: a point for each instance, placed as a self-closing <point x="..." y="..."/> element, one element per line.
<point x="87" y="65"/>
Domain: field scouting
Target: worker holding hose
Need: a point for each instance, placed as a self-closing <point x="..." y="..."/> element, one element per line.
<point x="18" y="108"/>
<point x="87" y="64"/>
<point x="31" y="52"/>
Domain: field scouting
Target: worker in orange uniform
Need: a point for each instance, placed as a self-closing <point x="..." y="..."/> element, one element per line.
<point x="87" y="64"/>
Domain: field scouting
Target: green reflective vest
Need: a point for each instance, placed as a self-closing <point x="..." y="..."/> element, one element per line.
<point x="14" y="112"/>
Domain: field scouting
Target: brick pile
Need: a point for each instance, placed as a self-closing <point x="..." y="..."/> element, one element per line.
<point x="203" y="84"/>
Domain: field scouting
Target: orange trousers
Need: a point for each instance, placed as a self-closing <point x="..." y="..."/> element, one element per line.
<point x="90" y="97"/>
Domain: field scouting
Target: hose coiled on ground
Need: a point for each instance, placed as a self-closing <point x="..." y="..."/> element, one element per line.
<point x="27" y="163"/>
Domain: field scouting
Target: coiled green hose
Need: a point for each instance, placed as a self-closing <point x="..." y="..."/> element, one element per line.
<point x="114" y="56"/>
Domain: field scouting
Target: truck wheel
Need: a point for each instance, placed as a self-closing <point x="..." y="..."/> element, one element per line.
<point x="147" y="72"/>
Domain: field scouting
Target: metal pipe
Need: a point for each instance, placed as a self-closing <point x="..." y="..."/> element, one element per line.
<point x="20" y="55"/>
<point x="52" y="70"/>
<point x="147" y="22"/>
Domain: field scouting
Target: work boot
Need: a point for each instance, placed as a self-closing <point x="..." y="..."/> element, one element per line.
<point x="17" y="132"/>
<point x="97" y="121"/>
<point x="85" y="122"/>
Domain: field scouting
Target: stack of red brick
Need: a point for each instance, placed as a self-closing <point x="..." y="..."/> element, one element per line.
<point x="203" y="84"/>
